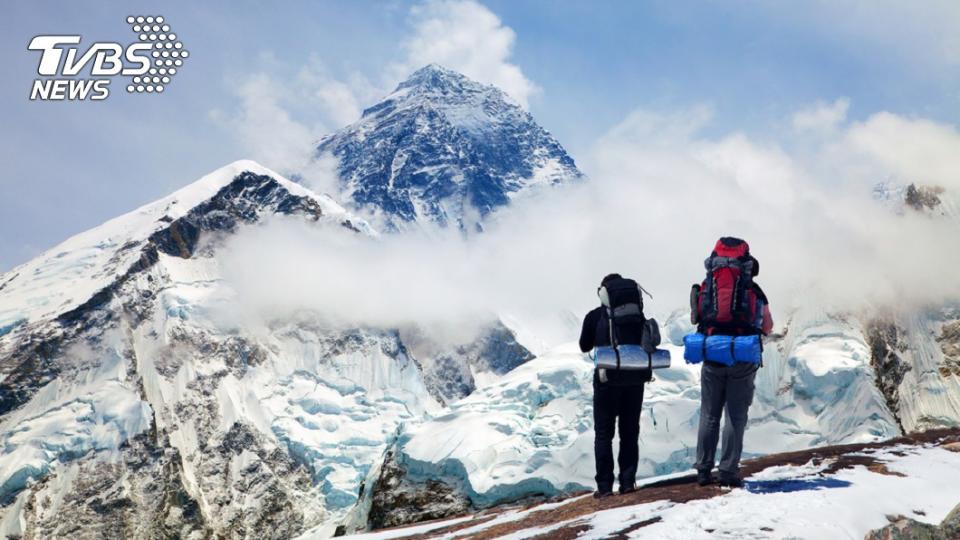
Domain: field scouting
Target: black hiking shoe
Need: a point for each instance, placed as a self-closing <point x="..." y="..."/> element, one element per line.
<point x="704" y="478"/>
<point x="602" y="494"/>
<point x="629" y="488"/>
<point x="731" y="482"/>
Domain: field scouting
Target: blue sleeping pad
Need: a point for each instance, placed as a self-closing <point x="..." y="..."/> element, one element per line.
<point x="722" y="349"/>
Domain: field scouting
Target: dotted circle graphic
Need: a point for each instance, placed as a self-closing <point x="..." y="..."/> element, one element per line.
<point x="166" y="51"/>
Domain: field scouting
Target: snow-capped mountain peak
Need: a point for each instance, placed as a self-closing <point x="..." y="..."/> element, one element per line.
<point x="60" y="278"/>
<point x="444" y="149"/>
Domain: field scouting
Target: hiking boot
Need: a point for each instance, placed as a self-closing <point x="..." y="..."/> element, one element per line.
<point x="731" y="482"/>
<point x="629" y="488"/>
<point x="704" y="478"/>
<point x="603" y="490"/>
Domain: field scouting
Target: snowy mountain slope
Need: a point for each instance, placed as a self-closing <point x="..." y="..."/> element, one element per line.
<point x="832" y="492"/>
<point x="70" y="273"/>
<point x="531" y="433"/>
<point x="69" y="281"/>
<point x="917" y="356"/>
<point x="443" y="149"/>
<point x="156" y="411"/>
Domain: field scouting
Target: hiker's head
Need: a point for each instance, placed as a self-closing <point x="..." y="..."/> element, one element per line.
<point x="608" y="278"/>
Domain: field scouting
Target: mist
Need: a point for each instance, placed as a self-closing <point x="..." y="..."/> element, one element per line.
<point x="659" y="195"/>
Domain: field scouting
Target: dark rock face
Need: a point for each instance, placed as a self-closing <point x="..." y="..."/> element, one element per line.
<point x="398" y="501"/>
<point x="449" y="373"/>
<point x="949" y="340"/>
<point x="922" y="197"/>
<point x="243" y="200"/>
<point x="141" y="495"/>
<point x="449" y="379"/>
<point x="497" y="351"/>
<point x="886" y="346"/>
<point x="442" y="147"/>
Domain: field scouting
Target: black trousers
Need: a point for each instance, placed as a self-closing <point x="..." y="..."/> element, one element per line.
<point x="610" y="405"/>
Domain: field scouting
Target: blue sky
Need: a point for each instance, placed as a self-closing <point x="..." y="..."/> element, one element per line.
<point x="582" y="67"/>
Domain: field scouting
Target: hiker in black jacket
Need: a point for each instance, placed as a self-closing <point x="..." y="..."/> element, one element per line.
<point x="617" y="395"/>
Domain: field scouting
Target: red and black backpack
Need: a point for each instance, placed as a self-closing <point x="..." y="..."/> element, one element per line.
<point x="728" y="301"/>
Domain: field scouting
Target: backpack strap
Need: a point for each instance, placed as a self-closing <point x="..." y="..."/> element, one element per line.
<point x="613" y="334"/>
<point x="760" y="294"/>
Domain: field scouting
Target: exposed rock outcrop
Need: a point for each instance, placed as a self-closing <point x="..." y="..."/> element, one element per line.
<point x="886" y="347"/>
<point x="398" y="501"/>
<point x="905" y="528"/>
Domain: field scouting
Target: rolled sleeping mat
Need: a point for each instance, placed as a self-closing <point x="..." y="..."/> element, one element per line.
<point x="694" y="348"/>
<point x="660" y="358"/>
<point x="722" y="349"/>
<point x="632" y="357"/>
<point x="747" y="349"/>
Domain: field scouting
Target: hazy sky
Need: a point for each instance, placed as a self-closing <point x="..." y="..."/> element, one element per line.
<point x="266" y="78"/>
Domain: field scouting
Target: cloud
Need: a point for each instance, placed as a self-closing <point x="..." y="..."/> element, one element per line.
<point x="465" y="36"/>
<point x="822" y="116"/>
<point x="652" y="210"/>
<point x="807" y="209"/>
<point x="340" y="101"/>
<point x="911" y="150"/>
<point x="282" y="113"/>
<point x="321" y="176"/>
<point x="265" y="130"/>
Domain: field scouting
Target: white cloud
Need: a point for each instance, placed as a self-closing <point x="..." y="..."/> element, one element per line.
<point x="465" y="36"/>
<point x="652" y="210"/>
<point x="822" y="116"/>
<point x="321" y="175"/>
<point x="266" y="131"/>
<point x="912" y="150"/>
<point x="339" y="101"/>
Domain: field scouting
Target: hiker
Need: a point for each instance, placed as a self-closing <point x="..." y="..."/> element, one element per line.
<point x="618" y="389"/>
<point x="731" y="313"/>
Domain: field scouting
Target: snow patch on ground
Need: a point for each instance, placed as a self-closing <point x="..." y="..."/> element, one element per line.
<point x="780" y="502"/>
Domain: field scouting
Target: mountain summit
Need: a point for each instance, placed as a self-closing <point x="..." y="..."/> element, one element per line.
<point x="444" y="149"/>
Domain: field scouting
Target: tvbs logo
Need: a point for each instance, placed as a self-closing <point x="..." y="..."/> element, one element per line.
<point x="148" y="64"/>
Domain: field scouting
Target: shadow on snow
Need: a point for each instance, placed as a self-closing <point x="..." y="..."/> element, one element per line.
<point x="794" y="484"/>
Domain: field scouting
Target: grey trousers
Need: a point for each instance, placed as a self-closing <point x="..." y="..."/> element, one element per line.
<point x="724" y="387"/>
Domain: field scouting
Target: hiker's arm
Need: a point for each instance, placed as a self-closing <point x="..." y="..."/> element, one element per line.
<point x="587" y="332"/>
<point x="767" y="320"/>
